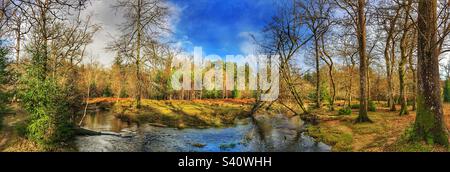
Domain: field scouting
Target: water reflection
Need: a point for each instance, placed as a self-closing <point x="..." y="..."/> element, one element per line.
<point x="277" y="133"/>
<point x="106" y="121"/>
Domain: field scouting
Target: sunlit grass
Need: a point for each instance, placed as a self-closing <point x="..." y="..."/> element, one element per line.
<point x="386" y="133"/>
<point x="182" y="114"/>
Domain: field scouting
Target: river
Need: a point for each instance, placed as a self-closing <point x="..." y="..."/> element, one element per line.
<point x="278" y="134"/>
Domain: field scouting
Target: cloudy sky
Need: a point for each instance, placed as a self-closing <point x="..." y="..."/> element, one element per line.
<point x="221" y="27"/>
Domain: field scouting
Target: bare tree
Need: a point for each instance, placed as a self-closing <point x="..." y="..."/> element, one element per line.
<point x="5" y="15"/>
<point x="357" y="13"/>
<point x="145" y="20"/>
<point x="41" y="16"/>
<point x="387" y="15"/>
<point x="404" y="53"/>
<point x="328" y="59"/>
<point x="317" y="18"/>
<point x="17" y="25"/>
<point x="285" y="37"/>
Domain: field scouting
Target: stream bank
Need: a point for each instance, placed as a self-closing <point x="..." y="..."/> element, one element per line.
<point x="271" y="133"/>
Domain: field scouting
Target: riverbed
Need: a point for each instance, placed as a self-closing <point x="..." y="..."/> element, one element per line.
<point x="277" y="134"/>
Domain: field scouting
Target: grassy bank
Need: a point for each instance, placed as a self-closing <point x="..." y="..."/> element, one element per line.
<point x="179" y="113"/>
<point x="388" y="132"/>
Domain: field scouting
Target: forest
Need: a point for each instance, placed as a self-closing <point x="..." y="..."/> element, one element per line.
<point x="354" y="75"/>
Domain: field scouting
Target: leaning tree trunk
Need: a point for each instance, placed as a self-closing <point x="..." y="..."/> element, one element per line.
<point x="329" y="61"/>
<point x="429" y="125"/>
<point x="361" y="33"/>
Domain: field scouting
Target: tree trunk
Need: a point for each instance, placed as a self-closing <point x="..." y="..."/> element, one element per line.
<point x="368" y="81"/>
<point x="402" y="74"/>
<point x="361" y="33"/>
<point x="404" y="59"/>
<point x="393" y="108"/>
<point x="350" y="88"/>
<point x="429" y="125"/>
<point x="389" y="58"/>
<point x="390" y="88"/>
<point x="44" y="35"/>
<point x="18" y="40"/>
<point x="414" y="73"/>
<point x="351" y="74"/>
<point x="138" y="58"/>
<point x="329" y="61"/>
<point x="318" y="94"/>
<point x="333" y="87"/>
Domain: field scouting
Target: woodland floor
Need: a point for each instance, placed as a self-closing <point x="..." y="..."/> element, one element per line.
<point x="387" y="133"/>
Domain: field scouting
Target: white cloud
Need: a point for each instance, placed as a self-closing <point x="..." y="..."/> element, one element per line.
<point x="110" y="19"/>
<point x="104" y="15"/>
<point x="248" y="45"/>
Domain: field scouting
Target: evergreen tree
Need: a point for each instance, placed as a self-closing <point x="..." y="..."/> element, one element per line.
<point x="46" y="103"/>
<point x="447" y="91"/>
<point x="4" y="73"/>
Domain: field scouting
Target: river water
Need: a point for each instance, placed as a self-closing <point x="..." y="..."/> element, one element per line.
<point x="278" y="134"/>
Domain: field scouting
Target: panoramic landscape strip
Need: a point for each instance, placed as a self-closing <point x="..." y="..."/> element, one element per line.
<point x="224" y="76"/>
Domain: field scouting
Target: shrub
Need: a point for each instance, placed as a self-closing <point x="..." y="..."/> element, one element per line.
<point x="345" y="111"/>
<point x="447" y="91"/>
<point x="49" y="119"/>
<point x="21" y="128"/>
<point x="236" y="94"/>
<point x="107" y="92"/>
<point x="123" y="93"/>
<point x="46" y="103"/>
<point x="324" y="94"/>
<point x="355" y="106"/>
<point x="372" y="106"/>
<point x="4" y="74"/>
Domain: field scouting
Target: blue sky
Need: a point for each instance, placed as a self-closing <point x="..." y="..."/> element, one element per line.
<point x="221" y="27"/>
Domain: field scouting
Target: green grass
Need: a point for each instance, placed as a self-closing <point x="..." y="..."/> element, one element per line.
<point x="407" y="143"/>
<point x="340" y="141"/>
<point x="345" y="111"/>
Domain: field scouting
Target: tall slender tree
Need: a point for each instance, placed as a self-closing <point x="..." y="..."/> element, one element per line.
<point x="404" y="53"/>
<point x="388" y="14"/>
<point x="317" y="17"/>
<point x="361" y="34"/>
<point x="357" y="13"/>
<point x="145" y="20"/>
